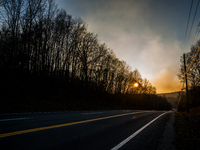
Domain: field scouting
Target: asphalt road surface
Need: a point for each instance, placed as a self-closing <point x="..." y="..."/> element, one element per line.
<point x="83" y="130"/>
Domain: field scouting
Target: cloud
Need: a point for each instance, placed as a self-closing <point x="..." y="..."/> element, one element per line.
<point x="143" y="33"/>
<point x="158" y="55"/>
<point x="166" y="81"/>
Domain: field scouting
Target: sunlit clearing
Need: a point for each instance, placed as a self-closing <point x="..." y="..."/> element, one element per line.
<point x="136" y="85"/>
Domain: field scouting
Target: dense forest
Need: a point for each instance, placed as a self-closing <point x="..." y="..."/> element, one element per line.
<point x="51" y="61"/>
<point x="193" y="77"/>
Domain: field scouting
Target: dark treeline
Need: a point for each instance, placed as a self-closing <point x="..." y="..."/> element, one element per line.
<point x="193" y="77"/>
<point x="38" y="38"/>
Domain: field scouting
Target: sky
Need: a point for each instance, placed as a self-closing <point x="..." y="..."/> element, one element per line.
<point x="147" y="34"/>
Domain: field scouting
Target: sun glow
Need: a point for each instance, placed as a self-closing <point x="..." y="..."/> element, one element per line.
<point x="135" y="85"/>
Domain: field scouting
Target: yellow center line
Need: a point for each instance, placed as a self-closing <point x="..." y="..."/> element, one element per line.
<point x="61" y="125"/>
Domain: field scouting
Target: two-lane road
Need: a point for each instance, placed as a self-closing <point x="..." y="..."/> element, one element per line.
<point x="84" y="130"/>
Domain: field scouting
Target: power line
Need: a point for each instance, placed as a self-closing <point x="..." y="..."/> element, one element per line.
<point x="180" y="96"/>
<point x="197" y="63"/>
<point x="187" y="24"/>
<point x="183" y="48"/>
<point x="192" y="24"/>
<point x="196" y="34"/>
<point x="185" y="75"/>
<point x="193" y="60"/>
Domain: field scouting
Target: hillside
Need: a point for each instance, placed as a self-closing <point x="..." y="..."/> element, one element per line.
<point x="172" y="98"/>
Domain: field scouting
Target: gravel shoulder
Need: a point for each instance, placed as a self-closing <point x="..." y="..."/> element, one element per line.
<point x="166" y="142"/>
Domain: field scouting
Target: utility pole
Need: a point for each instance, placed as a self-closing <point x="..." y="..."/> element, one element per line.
<point x="186" y="84"/>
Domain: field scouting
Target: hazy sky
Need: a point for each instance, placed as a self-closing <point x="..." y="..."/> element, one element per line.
<point x="147" y="34"/>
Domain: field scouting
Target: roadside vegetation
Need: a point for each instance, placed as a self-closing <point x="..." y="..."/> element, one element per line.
<point x="193" y="78"/>
<point x="187" y="129"/>
<point x="51" y="61"/>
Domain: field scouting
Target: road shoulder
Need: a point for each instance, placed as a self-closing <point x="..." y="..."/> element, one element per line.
<point x="166" y="142"/>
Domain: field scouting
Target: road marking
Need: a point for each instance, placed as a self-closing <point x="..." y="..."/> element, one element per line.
<point x="62" y="125"/>
<point x="13" y="119"/>
<point x="134" y="134"/>
<point x="93" y="113"/>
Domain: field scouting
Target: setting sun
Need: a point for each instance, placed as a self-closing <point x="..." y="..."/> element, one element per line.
<point x="135" y="85"/>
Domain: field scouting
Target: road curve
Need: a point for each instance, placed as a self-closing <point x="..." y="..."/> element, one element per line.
<point x="83" y="130"/>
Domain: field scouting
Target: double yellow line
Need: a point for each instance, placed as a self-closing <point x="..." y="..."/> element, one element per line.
<point x="61" y="125"/>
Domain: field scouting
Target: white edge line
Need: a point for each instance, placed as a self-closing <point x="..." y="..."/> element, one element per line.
<point x="13" y="119"/>
<point x="134" y="134"/>
<point x="92" y="113"/>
